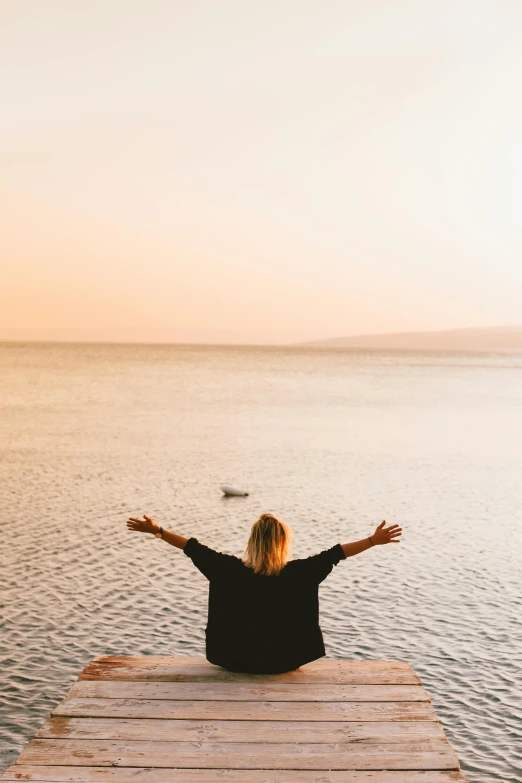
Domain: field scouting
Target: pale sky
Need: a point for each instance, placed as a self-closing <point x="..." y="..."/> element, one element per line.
<point x="251" y="171"/>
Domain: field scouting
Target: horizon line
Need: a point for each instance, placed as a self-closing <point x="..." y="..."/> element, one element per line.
<point x="4" y="339"/>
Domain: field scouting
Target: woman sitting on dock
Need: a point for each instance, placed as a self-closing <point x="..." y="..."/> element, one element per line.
<point x="263" y="611"/>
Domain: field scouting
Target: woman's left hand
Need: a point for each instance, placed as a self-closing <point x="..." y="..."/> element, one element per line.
<point x="145" y="525"/>
<point x="386" y="535"/>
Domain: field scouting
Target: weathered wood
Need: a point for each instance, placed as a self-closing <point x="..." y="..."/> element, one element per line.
<point x="433" y="754"/>
<point x="163" y="719"/>
<point x="237" y="691"/>
<point x="244" y="710"/>
<point x="184" y="669"/>
<point x="199" y="661"/>
<point x="240" y="731"/>
<point x="63" y="774"/>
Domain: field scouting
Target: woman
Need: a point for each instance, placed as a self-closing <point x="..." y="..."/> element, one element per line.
<point x="263" y="611"/>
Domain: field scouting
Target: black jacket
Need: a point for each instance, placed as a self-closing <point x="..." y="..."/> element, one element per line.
<point x="259" y="623"/>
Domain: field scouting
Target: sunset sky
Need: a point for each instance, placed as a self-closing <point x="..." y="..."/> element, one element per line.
<point x="259" y="171"/>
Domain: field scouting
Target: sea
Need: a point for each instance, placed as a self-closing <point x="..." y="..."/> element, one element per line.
<point x="332" y="442"/>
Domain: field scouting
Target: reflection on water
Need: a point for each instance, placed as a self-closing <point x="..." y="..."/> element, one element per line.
<point x="332" y="442"/>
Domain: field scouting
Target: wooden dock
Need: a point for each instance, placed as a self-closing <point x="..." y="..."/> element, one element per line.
<point x="160" y="719"/>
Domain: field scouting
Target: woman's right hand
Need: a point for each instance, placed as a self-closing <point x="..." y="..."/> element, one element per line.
<point x="145" y="525"/>
<point x="386" y="535"/>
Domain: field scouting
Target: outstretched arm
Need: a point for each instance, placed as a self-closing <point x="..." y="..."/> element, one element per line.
<point x="382" y="535"/>
<point x="147" y="525"/>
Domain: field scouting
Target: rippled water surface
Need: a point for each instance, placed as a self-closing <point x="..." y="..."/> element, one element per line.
<point x="332" y="442"/>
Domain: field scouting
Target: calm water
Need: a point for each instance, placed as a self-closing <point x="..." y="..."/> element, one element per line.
<point x="332" y="442"/>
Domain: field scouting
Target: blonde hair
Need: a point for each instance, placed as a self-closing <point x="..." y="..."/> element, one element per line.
<point x="268" y="546"/>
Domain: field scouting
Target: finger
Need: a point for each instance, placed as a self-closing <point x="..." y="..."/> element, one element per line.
<point x="133" y="519"/>
<point x="147" y="518"/>
<point x="392" y="527"/>
<point x="382" y="525"/>
<point x="395" y="541"/>
<point x="396" y="534"/>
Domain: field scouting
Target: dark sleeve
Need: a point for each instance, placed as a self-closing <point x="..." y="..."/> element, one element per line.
<point x="208" y="561"/>
<point x="319" y="566"/>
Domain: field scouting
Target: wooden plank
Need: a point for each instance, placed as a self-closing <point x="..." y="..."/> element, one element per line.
<point x="231" y="691"/>
<point x="240" y="731"/>
<point x="245" y="710"/>
<point x="197" y="661"/>
<point x="185" y="669"/>
<point x="432" y="754"/>
<point x="63" y="774"/>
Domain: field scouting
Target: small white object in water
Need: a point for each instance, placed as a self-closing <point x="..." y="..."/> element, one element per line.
<point x="228" y="490"/>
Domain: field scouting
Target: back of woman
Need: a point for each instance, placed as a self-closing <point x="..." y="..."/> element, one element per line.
<point x="263" y="611"/>
<point x="258" y="621"/>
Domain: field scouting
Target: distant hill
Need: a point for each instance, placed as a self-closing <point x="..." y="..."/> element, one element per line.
<point x="500" y="338"/>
